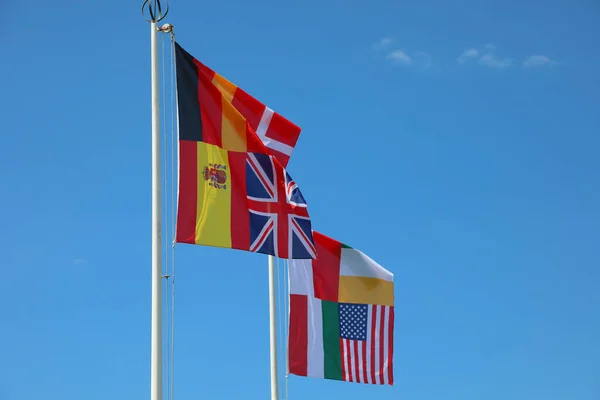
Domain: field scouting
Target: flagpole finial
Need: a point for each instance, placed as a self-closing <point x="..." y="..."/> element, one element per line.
<point x="155" y="10"/>
<point x="166" y="28"/>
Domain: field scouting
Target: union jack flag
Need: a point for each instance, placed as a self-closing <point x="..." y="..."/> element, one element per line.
<point x="279" y="221"/>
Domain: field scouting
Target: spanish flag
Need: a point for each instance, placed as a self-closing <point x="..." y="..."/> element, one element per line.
<point x="243" y="201"/>
<point x="213" y="110"/>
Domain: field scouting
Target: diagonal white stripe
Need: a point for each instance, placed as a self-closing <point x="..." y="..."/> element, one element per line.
<point x="308" y="246"/>
<point x="260" y="172"/>
<point x="259" y="241"/>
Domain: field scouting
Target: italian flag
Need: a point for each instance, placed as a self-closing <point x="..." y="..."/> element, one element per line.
<point x="341" y="316"/>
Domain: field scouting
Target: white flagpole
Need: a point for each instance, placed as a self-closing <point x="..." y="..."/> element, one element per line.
<point x="156" y="341"/>
<point x="273" y="328"/>
<point x="156" y="14"/>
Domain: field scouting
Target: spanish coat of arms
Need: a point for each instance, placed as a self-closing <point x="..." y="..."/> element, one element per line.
<point x="216" y="174"/>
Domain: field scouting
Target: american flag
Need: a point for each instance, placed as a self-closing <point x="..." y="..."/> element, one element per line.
<point x="366" y="332"/>
<point x="279" y="221"/>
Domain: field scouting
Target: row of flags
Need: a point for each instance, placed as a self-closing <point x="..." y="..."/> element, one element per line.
<point x="235" y="193"/>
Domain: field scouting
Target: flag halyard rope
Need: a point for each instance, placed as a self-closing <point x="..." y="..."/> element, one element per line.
<point x="170" y="30"/>
<point x="170" y="206"/>
<point x="166" y="275"/>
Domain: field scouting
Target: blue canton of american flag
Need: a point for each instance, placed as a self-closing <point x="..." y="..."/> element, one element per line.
<point x="279" y="221"/>
<point x="366" y="332"/>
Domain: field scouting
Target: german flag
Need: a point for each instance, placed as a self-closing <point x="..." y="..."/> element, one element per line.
<point x="213" y="110"/>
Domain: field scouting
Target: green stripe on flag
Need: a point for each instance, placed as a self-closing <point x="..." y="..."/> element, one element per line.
<point x="331" y="340"/>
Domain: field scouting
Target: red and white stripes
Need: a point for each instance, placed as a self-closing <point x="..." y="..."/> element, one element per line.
<point x="370" y="361"/>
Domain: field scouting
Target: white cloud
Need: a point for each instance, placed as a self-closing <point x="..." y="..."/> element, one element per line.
<point x="423" y="59"/>
<point x="486" y="57"/>
<point x="399" y="57"/>
<point x="492" y="61"/>
<point x="466" y="55"/>
<point x="382" y="43"/>
<point x="537" y="61"/>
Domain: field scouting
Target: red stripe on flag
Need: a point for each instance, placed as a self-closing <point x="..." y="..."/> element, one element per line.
<point x="188" y="192"/>
<point x="266" y="232"/>
<point x="391" y="346"/>
<point x="373" y="332"/>
<point x="365" y="377"/>
<point x="211" y="112"/>
<point x="381" y="344"/>
<point x="283" y="130"/>
<point x="326" y="267"/>
<point x="298" y="335"/>
<point x="283" y="158"/>
<point x="253" y="142"/>
<point x="256" y="167"/>
<point x="240" y="216"/>
<point x="302" y="234"/>
<point x="249" y="107"/>
<point x="371" y="353"/>
<point x="349" y="358"/>
<point x="253" y="111"/>
<point x="343" y="356"/>
<point x="204" y="70"/>
<point x="356" y="361"/>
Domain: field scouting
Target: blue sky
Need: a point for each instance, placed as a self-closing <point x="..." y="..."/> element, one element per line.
<point x="426" y="143"/>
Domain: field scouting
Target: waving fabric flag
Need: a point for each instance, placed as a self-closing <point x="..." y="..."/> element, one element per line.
<point x="214" y="110"/>
<point x="243" y="201"/>
<point x="341" y="316"/>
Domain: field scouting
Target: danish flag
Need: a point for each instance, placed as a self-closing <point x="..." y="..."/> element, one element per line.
<point x="279" y="220"/>
<point x="278" y="134"/>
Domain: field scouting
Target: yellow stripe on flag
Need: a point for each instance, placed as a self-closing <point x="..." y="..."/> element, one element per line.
<point x="233" y="124"/>
<point x="233" y="127"/>
<point x="362" y="290"/>
<point x="213" y="209"/>
<point x="226" y="88"/>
